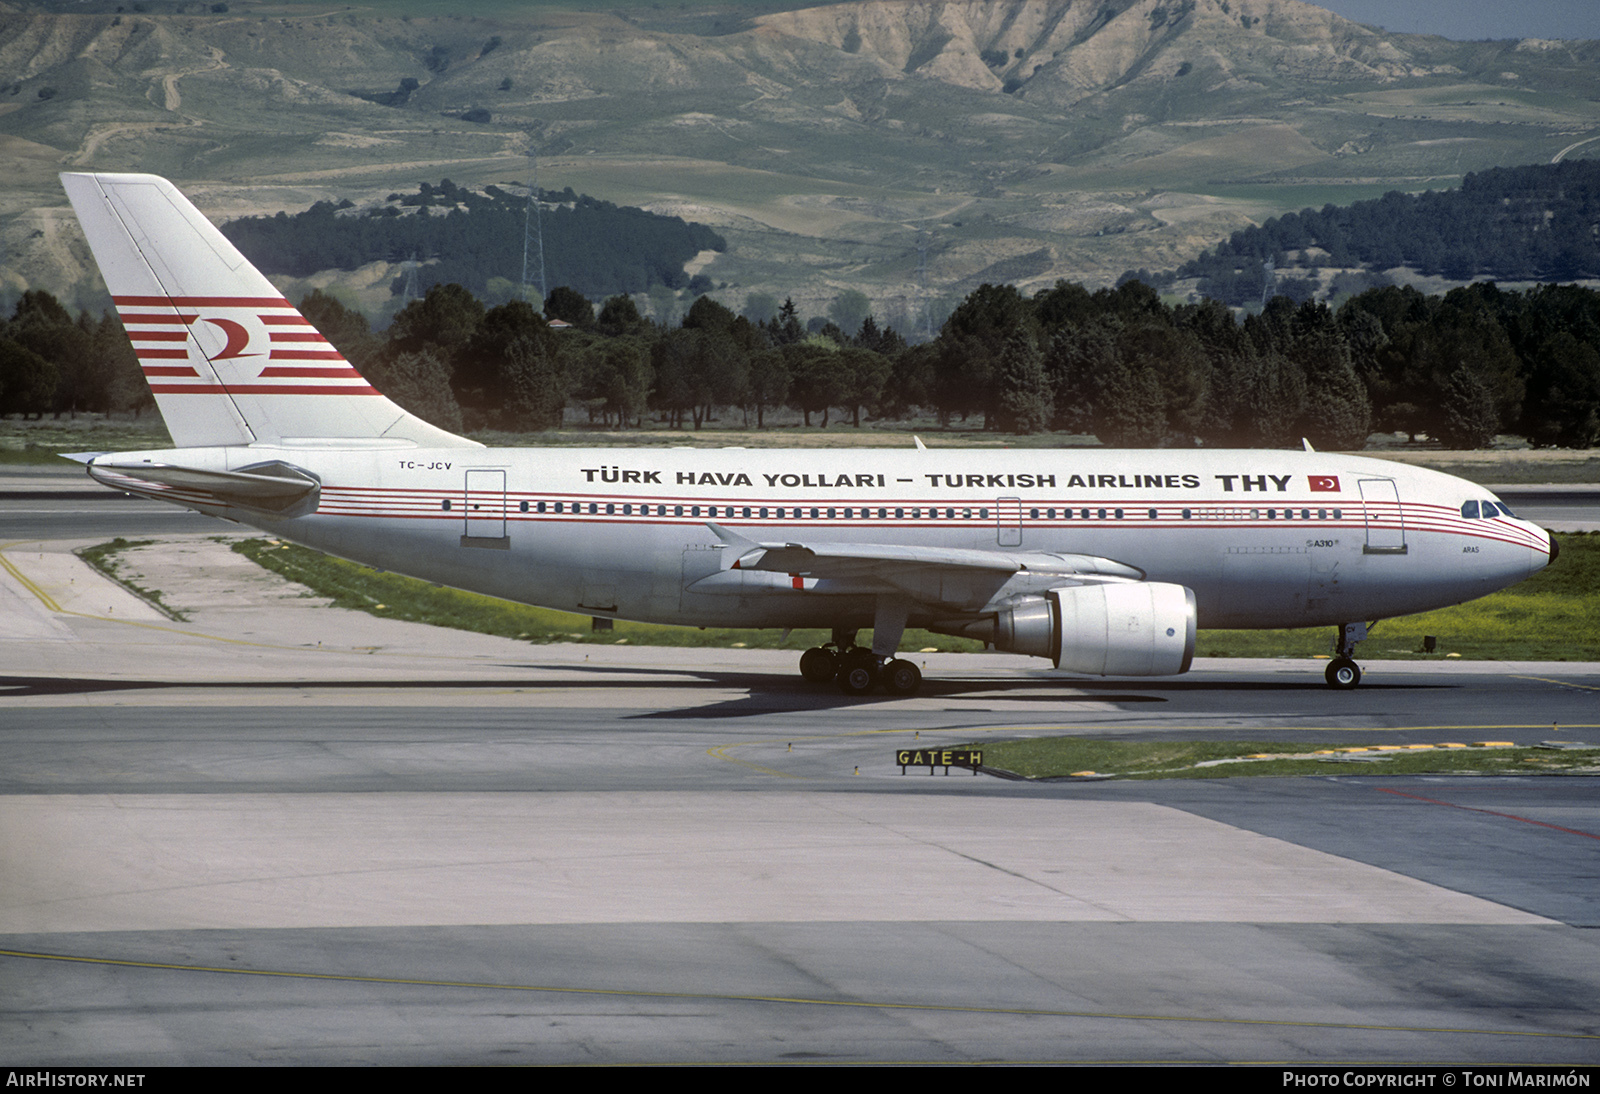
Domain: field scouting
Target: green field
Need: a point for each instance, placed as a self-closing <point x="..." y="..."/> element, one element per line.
<point x="1553" y="616"/>
<point x="392" y="596"/>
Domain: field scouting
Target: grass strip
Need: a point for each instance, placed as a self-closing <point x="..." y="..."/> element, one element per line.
<point x="1552" y="616"/>
<point x="1084" y="757"/>
<point x="103" y="558"/>
<point x="393" y="596"/>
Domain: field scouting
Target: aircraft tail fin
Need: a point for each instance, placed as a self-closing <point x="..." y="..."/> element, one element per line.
<point x="229" y="360"/>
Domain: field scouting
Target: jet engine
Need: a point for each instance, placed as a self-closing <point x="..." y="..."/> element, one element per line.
<point x="1132" y="629"/>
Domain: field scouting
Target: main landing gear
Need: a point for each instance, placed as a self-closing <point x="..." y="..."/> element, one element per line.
<point x="858" y="669"/>
<point x="1343" y="672"/>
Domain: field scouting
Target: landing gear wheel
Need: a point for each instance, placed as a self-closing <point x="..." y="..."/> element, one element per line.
<point x="1343" y="673"/>
<point x="901" y="677"/>
<point x="858" y="672"/>
<point x="818" y="665"/>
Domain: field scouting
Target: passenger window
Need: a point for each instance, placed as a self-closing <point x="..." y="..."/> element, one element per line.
<point x="1188" y="514"/>
<point x="1033" y="514"/>
<point x="1119" y="514"/>
<point x="677" y="510"/>
<point x="1102" y="514"/>
<point x="446" y="505"/>
<point x="1152" y="514"/>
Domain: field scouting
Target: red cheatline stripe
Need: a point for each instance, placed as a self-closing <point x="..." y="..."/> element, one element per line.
<point x="1490" y="812"/>
<point x="169" y="370"/>
<point x="305" y="355"/>
<point x="200" y="302"/>
<point x="263" y="389"/>
<point x="161" y="354"/>
<point x="311" y="371"/>
<point x="286" y="320"/>
<point x="158" y="335"/>
<point x="294" y="336"/>
<point x="134" y="319"/>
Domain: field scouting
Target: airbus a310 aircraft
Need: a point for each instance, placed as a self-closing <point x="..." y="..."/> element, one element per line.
<point x="1104" y="562"/>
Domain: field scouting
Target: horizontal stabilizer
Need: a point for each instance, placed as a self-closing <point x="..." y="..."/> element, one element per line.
<point x="275" y="488"/>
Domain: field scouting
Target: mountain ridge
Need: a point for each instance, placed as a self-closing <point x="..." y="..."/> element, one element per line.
<point x="875" y="145"/>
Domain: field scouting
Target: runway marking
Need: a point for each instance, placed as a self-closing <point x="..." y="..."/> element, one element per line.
<point x="51" y="605"/>
<point x="857" y="1004"/>
<point x="720" y="752"/>
<point x="1563" y="683"/>
<point x="1490" y="812"/>
<point x="44" y="597"/>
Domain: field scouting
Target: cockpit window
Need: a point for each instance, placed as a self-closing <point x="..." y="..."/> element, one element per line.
<point x="1505" y="510"/>
<point x="1469" y="509"/>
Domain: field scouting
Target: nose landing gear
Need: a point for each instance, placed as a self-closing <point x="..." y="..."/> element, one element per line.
<point x="1343" y="672"/>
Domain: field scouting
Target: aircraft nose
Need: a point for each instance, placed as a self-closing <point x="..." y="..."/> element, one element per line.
<point x="1538" y="559"/>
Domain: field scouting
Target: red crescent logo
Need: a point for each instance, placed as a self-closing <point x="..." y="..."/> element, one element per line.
<point x="238" y="339"/>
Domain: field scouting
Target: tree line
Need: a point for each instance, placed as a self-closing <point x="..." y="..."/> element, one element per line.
<point x="1118" y="363"/>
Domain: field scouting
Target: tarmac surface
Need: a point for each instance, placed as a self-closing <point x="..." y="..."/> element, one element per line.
<point x="277" y="832"/>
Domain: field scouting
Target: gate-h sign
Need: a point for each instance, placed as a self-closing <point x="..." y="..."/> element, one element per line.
<point x="939" y="757"/>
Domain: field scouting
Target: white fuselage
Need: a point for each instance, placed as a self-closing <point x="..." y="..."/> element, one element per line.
<point x="1263" y="538"/>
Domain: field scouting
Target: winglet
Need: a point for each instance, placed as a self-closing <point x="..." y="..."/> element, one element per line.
<point x="742" y="549"/>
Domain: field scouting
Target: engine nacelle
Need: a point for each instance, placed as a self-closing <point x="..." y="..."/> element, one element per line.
<point x="1134" y="629"/>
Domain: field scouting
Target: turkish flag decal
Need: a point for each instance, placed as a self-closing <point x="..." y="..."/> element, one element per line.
<point x="1324" y="483"/>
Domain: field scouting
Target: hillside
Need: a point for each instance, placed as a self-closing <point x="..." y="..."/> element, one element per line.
<point x="1007" y="140"/>
<point x="1535" y="223"/>
<point x="474" y="240"/>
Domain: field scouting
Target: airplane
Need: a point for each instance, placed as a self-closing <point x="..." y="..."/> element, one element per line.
<point x="1104" y="562"/>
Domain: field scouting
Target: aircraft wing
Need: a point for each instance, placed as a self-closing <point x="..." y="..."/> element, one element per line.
<point x="957" y="578"/>
<point x="824" y="559"/>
